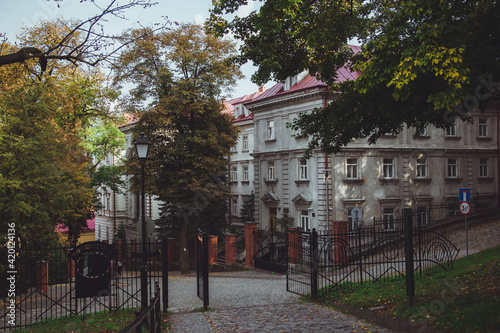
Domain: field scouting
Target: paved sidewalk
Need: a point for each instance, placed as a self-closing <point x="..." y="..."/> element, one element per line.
<point x="252" y="301"/>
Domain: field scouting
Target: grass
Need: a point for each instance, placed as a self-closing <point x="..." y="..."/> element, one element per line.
<point x="464" y="299"/>
<point x="106" y="322"/>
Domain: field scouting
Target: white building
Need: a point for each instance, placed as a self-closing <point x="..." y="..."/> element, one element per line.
<point x="398" y="172"/>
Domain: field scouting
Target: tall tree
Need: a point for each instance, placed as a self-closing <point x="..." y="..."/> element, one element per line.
<point x="181" y="74"/>
<point x="94" y="45"/>
<point x="44" y="166"/>
<point x="422" y="62"/>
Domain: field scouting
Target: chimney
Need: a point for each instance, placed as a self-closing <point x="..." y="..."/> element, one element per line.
<point x="262" y="89"/>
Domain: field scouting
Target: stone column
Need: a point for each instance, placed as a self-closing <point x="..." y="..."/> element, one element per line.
<point x="230" y="240"/>
<point x="250" y="227"/>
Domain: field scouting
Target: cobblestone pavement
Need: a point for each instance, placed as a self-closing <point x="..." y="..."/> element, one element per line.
<point x="254" y="301"/>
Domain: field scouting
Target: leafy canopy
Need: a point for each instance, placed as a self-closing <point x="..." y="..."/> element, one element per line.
<point x="422" y="62"/>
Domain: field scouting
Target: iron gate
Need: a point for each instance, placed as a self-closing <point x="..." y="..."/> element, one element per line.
<point x="271" y="250"/>
<point x="202" y="267"/>
<point x="320" y="262"/>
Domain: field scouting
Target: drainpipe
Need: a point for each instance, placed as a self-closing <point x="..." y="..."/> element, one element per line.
<point x="498" y="158"/>
<point x="325" y="103"/>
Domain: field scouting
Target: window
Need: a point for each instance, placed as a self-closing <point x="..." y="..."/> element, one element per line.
<point x="245" y="142"/>
<point x="352" y="168"/>
<point x="235" y="207"/>
<point x="421" y="168"/>
<point x="304" y="219"/>
<point x="389" y="217"/>
<point x="271" y="171"/>
<point x="234" y="148"/>
<point x="270" y="130"/>
<point x="388" y="168"/>
<point x="234" y="174"/>
<point x="303" y="169"/>
<point x="483" y="128"/>
<point x="353" y="221"/>
<point x="245" y="174"/>
<point x="237" y="112"/>
<point x="452" y="168"/>
<point x="483" y="167"/>
<point x="451" y="129"/>
<point x="422" y="216"/>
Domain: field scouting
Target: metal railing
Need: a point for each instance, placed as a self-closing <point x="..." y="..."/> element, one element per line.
<point x="153" y="310"/>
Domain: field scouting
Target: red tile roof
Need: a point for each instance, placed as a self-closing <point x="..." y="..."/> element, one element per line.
<point x="343" y="74"/>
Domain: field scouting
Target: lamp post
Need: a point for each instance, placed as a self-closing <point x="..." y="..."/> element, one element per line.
<point x="142" y="147"/>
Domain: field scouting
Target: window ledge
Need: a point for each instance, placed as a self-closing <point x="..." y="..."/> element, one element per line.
<point x="245" y="182"/>
<point x="353" y="181"/>
<point x="271" y="181"/>
<point x="270" y="140"/>
<point x="456" y="137"/>
<point x="422" y="180"/>
<point x="489" y="178"/>
<point x="302" y="181"/>
<point x="389" y="180"/>
<point x="422" y="137"/>
<point x="484" y="138"/>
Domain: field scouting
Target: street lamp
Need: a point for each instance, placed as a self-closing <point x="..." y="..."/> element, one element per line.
<point x="142" y="147"/>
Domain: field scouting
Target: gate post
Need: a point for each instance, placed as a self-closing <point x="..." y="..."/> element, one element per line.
<point x="410" y="272"/>
<point x="250" y="228"/>
<point x="294" y="245"/>
<point x="230" y="241"/>
<point x="212" y="250"/>
<point x="340" y="241"/>
<point x="164" y="264"/>
<point x="314" y="264"/>
<point x="42" y="276"/>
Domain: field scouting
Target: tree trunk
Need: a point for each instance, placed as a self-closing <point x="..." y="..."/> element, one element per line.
<point x="184" y="256"/>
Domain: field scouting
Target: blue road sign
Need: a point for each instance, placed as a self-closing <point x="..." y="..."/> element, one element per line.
<point x="464" y="194"/>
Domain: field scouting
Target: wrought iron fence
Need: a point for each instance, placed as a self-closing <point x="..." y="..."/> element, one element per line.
<point x="153" y="311"/>
<point x="271" y="250"/>
<point x="320" y="262"/>
<point x="46" y="282"/>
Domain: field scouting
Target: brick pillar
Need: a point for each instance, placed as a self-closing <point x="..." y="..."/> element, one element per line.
<point x="171" y="249"/>
<point x="119" y="247"/>
<point x="250" y="227"/>
<point x="230" y="240"/>
<point x="340" y="242"/>
<point x="133" y="246"/>
<point x="294" y="245"/>
<point x="42" y="276"/>
<point x="212" y="249"/>
<point x="71" y="268"/>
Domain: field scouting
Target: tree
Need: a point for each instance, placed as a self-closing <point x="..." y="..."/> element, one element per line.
<point x="421" y="63"/>
<point x="82" y="42"/>
<point x="247" y="211"/>
<point x="44" y="166"/>
<point x="182" y="74"/>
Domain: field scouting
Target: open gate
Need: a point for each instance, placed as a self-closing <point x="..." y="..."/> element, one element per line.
<point x="271" y="252"/>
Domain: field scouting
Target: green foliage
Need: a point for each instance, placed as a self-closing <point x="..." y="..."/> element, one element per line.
<point x="182" y="74"/>
<point x="44" y="166"/>
<point x="285" y="221"/>
<point x="463" y="299"/>
<point x="422" y="62"/>
<point x="247" y="212"/>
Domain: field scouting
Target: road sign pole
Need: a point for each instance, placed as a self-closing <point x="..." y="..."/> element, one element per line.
<point x="466" y="238"/>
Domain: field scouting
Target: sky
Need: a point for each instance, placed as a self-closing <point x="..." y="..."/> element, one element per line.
<point x="26" y="13"/>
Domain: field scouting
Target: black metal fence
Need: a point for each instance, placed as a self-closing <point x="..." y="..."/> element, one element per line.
<point x="271" y="250"/>
<point x="321" y="262"/>
<point x="202" y="286"/>
<point x="153" y="311"/>
<point x="44" y="282"/>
